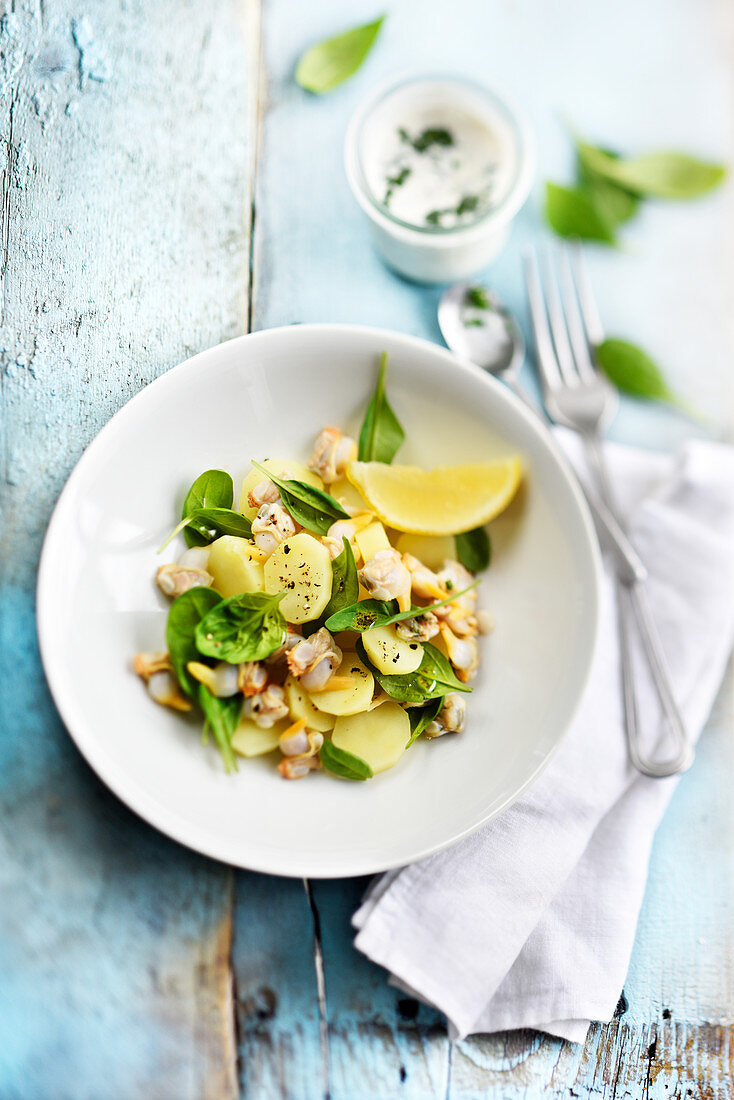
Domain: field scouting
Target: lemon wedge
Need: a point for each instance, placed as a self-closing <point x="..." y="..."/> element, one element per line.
<point x="442" y="501"/>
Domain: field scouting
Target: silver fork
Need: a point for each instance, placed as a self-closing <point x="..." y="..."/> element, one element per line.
<point x="578" y="396"/>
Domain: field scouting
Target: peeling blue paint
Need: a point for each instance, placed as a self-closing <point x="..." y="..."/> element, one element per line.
<point x="94" y="62"/>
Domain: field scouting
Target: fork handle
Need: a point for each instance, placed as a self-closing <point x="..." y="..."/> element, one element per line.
<point x="631" y="597"/>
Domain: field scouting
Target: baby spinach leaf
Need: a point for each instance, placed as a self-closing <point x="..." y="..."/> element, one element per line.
<point x="329" y="63"/>
<point x="381" y="435"/>
<point x="212" y="489"/>
<point x="665" y="175"/>
<point x="368" y="613"/>
<point x="434" y="677"/>
<point x="344" y="584"/>
<point x="615" y="203"/>
<point x="421" y="717"/>
<point x="473" y="549"/>
<point x="247" y="627"/>
<point x="435" y="665"/>
<point x="311" y="507"/>
<point x="184" y="616"/>
<point x="633" y="371"/>
<point x="573" y="212"/>
<point x="344" y="763"/>
<point x="222" y="716"/>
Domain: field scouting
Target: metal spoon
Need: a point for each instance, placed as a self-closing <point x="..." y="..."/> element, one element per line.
<point x="478" y="327"/>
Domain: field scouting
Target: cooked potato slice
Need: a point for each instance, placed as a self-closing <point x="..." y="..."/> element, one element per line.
<point x="301" y="706"/>
<point x="250" y="740"/>
<point x="347" y="495"/>
<point x="281" y="468"/>
<point x="233" y="568"/>
<point x="349" y="700"/>
<point x="432" y="550"/>
<point x="389" y="653"/>
<point x="300" y="567"/>
<point x="370" y="539"/>
<point x="379" y="737"/>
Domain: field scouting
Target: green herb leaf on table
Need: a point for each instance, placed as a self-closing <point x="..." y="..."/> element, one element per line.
<point x="185" y="614"/>
<point x="329" y="63"/>
<point x="573" y="212"/>
<point x="365" y="614"/>
<point x="381" y="435"/>
<point x="434" y="677"/>
<point x="473" y="549"/>
<point x="345" y="583"/>
<point x="421" y="717"/>
<point x="664" y="175"/>
<point x="212" y="489"/>
<point x="311" y="507"/>
<point x="633" y="371"/>
<point x="614" y="203"/>
<point x="344" y="763"/>
<point x="221" y="717"/>
<point x="247" y="627"/>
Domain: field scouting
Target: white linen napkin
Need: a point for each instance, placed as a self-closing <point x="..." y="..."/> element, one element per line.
<point x="530" y="922"/>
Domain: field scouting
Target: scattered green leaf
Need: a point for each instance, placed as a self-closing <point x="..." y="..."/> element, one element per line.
<point x="311" y="507"/>
<point x="381" y="435"/>
<point x="247" y="627"/>
<point x="665" y="175"/>
<point x="633" y="371"/>
<point x="473" y="549"/>
<point x="573" y="212"/>
<point x="185" y="614"/>
<point x="329" y="63"/>
<point x="344" y="763"/>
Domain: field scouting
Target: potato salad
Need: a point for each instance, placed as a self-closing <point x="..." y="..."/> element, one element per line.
<point x="331" y="618"/>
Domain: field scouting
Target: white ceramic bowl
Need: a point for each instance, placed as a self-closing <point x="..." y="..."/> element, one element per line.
<point x="269" y="394"/>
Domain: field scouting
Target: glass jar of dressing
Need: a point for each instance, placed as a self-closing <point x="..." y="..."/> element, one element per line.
<point x="440" y="165"/>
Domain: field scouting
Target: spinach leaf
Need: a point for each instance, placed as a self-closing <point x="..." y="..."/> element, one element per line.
<point x="185" y="614"/>
<point x="473" y="549"/>
<point x="367" y="613"/>
<point x="221" y="717"/>
<point x="665" y="175"/>
<point x="615" y="203"/>
<point x="329" y="63"/>
<point x="344" y="763"/>
<point x="212" y="489"/>
<point x="633" y="371"/>
<point x="434" y="677"/>
<point x="344" y="584"/>
<point x="572" y="212"/>
<point x="421" y="717"/>
<point x="247" y="627"/>
<point x="382" y="434"/>
<point x="312" y="508"/>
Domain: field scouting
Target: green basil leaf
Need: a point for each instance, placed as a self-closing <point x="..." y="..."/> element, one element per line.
<point x="473" y="549"/>
<point x="184" y="616"/>
<point x="381" y="435"/>
<point x="247" y="627"/>
<point x="368" y="613"/>
<point x="344" y="583"/>
<point x="311" y="507"/>
<point x="573" y="212"/>
<point x="212" y="489"/>
<point x="633" y="371"/>
<point x="421" y="717"/>
<point x="222" y="717"/>
<point x="665" y="175"/>
<point x="344" y="763"/>
<point x="329" y="63"/>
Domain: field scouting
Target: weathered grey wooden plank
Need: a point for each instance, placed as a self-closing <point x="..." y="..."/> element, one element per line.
<point x="125" y="164"/>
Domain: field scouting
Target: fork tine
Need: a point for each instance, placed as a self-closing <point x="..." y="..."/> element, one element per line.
<point x="564" y="355"/>
<point x="576" y="329"/>
<point x="587" y="301"/>
<point x="550" y="375"/>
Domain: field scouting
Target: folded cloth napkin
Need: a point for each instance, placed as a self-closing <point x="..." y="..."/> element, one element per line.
<point x="530" y="922"/>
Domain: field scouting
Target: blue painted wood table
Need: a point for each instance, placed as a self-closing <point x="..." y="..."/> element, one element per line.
<point x="165" y="185"/>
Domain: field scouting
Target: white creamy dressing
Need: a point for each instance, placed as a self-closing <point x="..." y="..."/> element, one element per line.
<point x="437" y="155"/>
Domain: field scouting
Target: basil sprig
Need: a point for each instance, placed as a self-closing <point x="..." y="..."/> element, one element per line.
<point x="434" y="677"/>
<point x="311" y="507"/>
<point x="381" y="435"/>
<point x="368" y="613"/>
<point x="221" y="717"/>
<point x="473" y="549"/>
<point x="185" y="614"/>
<point x="246" y="627"/>
<point x="421" y="717"/>
<point x="344" y="763"/>
<point x="331" y="62"/>
<point x="207" y="511"/>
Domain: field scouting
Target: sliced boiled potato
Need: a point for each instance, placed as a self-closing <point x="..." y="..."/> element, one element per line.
<point x="379" y="738"/>
<point x="349" y="497"/>
<point x="300" y="567"/>
<point x="282" y="468"/>
<point x="432" y="550"/>
<point x="233" y="568"/>
<point x="352" y="699"/>
<point x="389" y="653"/>
<point x="370" y="539"/>
<point x="250" y="740"/>
<point x="301" y="707"/>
